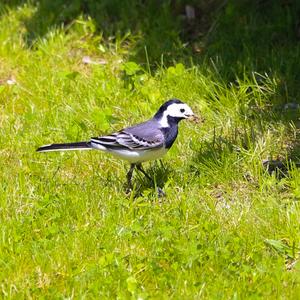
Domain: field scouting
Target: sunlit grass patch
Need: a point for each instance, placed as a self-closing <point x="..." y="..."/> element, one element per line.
<point x="227" y="227"/>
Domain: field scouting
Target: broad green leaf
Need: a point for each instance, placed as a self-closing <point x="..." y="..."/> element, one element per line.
<point x="131" y="68"/>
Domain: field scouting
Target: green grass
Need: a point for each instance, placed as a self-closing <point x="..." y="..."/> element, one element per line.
<point x="227" y="229"/>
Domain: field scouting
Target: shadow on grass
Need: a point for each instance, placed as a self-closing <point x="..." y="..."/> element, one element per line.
<point x="239" y="36"/>
<point x="260" y="37"/>
<point x="159" y="26"/>
<point x="159" y="172"/>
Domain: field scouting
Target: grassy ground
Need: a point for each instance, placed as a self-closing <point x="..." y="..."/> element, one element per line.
<point x="227" y="229"/>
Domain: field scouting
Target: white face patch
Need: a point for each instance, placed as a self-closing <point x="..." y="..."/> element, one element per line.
<point x="176" y="110"/>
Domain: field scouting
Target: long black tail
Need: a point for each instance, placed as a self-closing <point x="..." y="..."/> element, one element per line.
<point x="65" y="147"/>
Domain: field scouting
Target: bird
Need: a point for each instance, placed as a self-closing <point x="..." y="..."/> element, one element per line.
<point x="137" y="144"/>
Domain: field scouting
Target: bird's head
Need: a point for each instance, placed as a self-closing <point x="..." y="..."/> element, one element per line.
<point x="173" y="110"/>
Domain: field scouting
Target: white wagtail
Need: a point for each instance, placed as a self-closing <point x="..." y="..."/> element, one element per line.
<point x="145" y="141"/>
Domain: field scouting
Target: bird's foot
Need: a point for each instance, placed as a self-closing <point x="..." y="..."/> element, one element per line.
<point x="129" y="189"/>
<point x="160" y="193"/>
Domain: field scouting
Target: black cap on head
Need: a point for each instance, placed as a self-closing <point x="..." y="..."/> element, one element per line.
<point x="165" y="106"/>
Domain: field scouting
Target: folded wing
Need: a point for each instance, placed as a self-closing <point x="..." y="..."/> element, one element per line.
<point x="141" y="137"/>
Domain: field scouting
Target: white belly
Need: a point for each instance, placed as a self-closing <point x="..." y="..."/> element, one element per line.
<point x="134" y="156"/>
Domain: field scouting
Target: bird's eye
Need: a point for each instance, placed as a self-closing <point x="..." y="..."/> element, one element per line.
<point x="182" y="110"/>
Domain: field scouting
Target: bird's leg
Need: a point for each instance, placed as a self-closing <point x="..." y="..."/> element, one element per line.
<point x="129" y="176"/>
<point x="160" y="192"/>
<point x="140" y="168"/>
